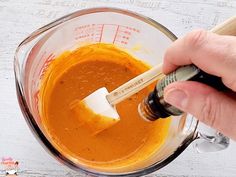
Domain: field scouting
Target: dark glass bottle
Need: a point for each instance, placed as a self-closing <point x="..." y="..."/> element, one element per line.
<point x="154" y="107"/>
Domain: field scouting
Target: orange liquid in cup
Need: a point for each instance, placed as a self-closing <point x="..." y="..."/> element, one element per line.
<point x="74" y="75"/>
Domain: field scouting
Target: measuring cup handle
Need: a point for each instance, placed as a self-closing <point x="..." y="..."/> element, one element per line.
<point x="209" y="139"/>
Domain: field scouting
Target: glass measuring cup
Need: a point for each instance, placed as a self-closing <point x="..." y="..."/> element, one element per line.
<point x="141" y="37"/>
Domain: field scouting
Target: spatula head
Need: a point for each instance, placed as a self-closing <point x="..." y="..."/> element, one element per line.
<point x="95" y="112"/>
<point x="98" y="103"/>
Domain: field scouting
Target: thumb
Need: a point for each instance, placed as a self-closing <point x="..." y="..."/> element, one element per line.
<point x="205" y="103"/>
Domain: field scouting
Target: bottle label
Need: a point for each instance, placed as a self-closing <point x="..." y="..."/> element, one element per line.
<point x="181" y="74"/>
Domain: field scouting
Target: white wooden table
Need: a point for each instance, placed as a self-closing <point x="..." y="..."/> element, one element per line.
<point x="19" y="18"/>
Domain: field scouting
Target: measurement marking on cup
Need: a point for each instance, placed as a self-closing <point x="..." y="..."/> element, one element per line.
<point x="101" y="33"/>
<point x="89" y="32"/>
<point x="117" y="29"/>
<point x="36" y="99"/>
<point x="108" y="33"/>
<point x="47" y="62"/>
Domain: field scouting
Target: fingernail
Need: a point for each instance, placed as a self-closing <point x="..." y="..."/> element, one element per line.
<point x="176" y="97"/>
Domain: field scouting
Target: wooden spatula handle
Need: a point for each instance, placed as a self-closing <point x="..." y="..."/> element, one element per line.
<point x="228" y="27"/>
<point x="134" y="85"/>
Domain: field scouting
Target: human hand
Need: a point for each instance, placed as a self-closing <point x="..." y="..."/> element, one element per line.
<point x="215" y="55"/>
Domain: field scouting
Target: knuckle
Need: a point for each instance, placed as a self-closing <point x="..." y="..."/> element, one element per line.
<point x="230" y="83"/>
<point x="228" y="53"/>
<point x="229" y="46"/>
<point x="228" y="56"/>
<point x="210" y="111"/>
<point x="233" y="85"/>
<point x="196" y="38"/>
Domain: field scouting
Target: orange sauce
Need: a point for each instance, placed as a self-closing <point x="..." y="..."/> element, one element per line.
<point x="76" y="74"/>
